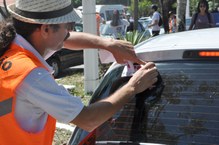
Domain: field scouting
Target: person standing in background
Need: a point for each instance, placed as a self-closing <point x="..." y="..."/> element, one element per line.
<point x="203" y="18"/>
<point x="155" y="21"/>
<point x="172" y="22"/>
<point x="118" y="25"/>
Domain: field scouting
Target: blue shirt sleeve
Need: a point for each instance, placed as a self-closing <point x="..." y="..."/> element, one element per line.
<point x="42" y="92"/>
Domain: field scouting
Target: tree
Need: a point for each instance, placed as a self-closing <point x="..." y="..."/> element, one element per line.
<point x="165" y="7"/>
<point x="144" y="8"/>
<point x="135" y="14"/>
<point x="180" y="15"/>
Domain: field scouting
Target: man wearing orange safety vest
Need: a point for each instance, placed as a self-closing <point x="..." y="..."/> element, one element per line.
<point x="30" y="99"/>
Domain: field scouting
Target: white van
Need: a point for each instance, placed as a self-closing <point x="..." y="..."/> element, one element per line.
<point x="106" y="11"/>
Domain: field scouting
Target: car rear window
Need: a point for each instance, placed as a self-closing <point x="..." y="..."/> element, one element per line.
<point x="187" y="111"/>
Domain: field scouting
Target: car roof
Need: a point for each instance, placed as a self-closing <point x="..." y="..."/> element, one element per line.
<point x="172" y="46"/>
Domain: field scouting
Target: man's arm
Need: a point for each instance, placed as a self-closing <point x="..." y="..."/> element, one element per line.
<point x="95" y="114"/>
<point x="121" y="50"/>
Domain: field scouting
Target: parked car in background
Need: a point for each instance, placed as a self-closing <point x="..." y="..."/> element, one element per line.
<point x="66" y="58"/>
<point x="141" y="29"/>
<point x="182" y="109"/>
<point x="78" y="27"/>
<point x="145" y="21"/>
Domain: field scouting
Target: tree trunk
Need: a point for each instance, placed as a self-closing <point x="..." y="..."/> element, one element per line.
<point x="164" y="13"/>
<point x="135" y="14"/>
<point x="180" y="15"/>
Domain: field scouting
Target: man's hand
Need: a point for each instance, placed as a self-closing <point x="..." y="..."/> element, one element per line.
<point x="123" y="51"/>
<point x="144" y="78"/>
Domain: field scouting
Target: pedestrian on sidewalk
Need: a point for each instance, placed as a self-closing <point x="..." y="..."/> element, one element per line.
<point x="202" y="18"/>
<point x="155" y="21"/>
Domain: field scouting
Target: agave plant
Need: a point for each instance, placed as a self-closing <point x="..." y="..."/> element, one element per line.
<point x="135" y="37"/>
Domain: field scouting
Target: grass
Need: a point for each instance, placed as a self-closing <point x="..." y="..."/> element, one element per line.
<point x="75" y="78"/>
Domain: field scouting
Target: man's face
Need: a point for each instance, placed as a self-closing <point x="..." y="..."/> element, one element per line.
<point x="58" y="36"/>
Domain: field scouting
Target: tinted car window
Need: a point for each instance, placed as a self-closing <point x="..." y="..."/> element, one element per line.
<point x="185" y="113"/>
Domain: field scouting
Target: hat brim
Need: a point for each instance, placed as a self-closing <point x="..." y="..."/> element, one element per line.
<point x="70" y="17"/>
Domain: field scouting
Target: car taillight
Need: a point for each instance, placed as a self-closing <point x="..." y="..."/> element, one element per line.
<point x="90" y="139"/>
<point x="209" y="53"/>
<point x="201" y="54"/>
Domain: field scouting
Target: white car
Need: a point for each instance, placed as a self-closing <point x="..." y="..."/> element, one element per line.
<point x="182" y="108"/>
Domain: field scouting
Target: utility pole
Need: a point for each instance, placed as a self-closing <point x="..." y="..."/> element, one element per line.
<point x="91" y="69"/>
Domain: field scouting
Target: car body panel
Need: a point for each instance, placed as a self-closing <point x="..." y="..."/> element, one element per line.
<point x="65" y="58"/>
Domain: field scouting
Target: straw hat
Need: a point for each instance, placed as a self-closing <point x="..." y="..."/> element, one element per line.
<point x="44" y="11"/>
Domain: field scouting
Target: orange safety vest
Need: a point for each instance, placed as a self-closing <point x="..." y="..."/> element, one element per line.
<point x="15" y="65"/>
